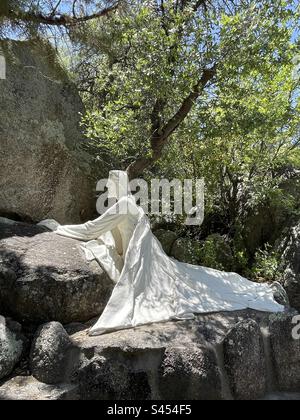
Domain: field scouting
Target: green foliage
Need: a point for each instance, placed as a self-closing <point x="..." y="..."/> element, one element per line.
<point x="216" y="253"/>
<point x="187" y="250"/>
<point x="242" y="130"/>
<point x="242" y="134"/>
<point x="266" y="265"/>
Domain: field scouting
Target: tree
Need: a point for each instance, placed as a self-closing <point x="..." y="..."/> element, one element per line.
<point x="168" y="59"/>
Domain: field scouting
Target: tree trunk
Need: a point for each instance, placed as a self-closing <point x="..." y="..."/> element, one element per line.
<point x="161" y="134"/>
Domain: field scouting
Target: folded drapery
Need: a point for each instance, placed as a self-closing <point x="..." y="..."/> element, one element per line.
<point x="152" y="287"/>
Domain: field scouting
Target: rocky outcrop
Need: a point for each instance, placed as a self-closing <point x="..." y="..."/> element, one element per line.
<point x="45" y="277"/>
<point x="194" y="371"/>
<point x="289" y="249"/>
<point x="11" y="346"/>
<point x="43" y="172"/>
<point x="149" y="362"/>
<point x="285" y="347"/>
<point x="222" y="356"/>
<point x="245" y="361"/>
<point x="214" y="357"/>
<point x="50" y="354"/>
<point x="28" y="388"/>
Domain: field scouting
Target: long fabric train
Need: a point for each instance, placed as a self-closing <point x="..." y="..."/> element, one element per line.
<point x="150" y="286"/>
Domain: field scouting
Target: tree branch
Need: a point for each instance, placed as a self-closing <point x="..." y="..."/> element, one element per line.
<point x="196" y="6"/>
<point x="161" y="135"/>
<point x="55" y="20"/>
<point x="53" y="12"/>
<point x="200" y="3"/>
<point x="181" y="114"/>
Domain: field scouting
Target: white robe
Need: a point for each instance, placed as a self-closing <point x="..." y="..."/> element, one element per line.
<point x="152" y="287"/>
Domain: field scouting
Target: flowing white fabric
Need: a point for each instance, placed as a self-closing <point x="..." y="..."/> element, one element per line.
<point x="150" y="286"/>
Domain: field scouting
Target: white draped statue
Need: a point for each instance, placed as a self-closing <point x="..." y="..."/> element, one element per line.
<point x="150" y="286"/>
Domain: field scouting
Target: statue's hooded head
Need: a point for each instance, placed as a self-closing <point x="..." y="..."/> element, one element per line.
<point x="118" y="185"/>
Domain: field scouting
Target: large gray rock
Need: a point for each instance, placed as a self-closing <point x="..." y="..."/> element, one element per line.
<point x="285" y="350"/>
<point x="289" y="248"/>
<point x="108" y="375"/>
<point x="245" y="361"/>
<point x="50" y="354"/>
<point x="43" y="172"/>
<point x="11" y="347"/>
<point x="45" y="277"/>
<point x="215" y="356"/>
<point x="194" y="371"/>
<point x="173" y="360"/>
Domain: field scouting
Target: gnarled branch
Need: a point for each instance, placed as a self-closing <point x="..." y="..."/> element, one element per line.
<point x="161" y="135"/>
<point x="54" y="19"/>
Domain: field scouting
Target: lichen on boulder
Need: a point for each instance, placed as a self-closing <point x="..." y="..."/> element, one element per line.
<point x="42" y="163"/>
<point x="11" y="348"/>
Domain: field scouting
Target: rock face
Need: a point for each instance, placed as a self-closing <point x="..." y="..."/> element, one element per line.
<point x="195" y="373"/>
<point x="11" y="347"/>
<point x="213" y="357"/>
<point x="286" y="352"/>
<point x="45" y="277"/>
<point x="50" y="354"/>
<point x="290" y="251"/>
<point x="147" y="363"/>
<point x="222" y="357"/>
<point x="245" y="361"/>
<point x="43" y="173"/>
<point x="27" y="388"/>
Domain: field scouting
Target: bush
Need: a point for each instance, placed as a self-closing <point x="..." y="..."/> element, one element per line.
<point x="266" y="265"/>
<point x="216" y="253"/>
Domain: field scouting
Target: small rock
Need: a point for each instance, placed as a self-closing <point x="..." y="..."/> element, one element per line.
<point x="280" y="295"/>
<point x="50" y="354"/>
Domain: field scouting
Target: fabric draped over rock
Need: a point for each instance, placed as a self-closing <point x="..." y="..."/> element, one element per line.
<point x="152" y="287"/>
